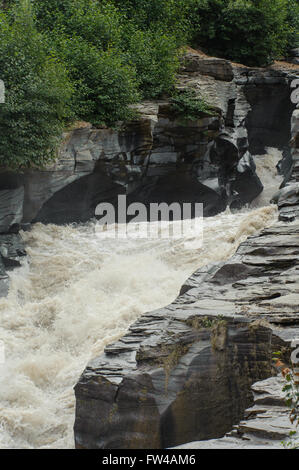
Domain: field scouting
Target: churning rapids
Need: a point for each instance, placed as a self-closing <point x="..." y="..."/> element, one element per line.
<point x="74" y="294"/>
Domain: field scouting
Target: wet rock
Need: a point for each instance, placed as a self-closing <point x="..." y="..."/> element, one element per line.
<point x="177" y="378"/>
<point x="266" y="424"/>
<point x="246" y="184"/>
<point x="168" y="361"/>
<point x="183" y="373"/>
<point x="12" y="251"/>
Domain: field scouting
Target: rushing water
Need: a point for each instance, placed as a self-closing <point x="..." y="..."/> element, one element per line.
<point x="74" y="294"/>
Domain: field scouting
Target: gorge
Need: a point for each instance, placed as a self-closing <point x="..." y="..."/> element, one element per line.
<point x="74" y="295"/>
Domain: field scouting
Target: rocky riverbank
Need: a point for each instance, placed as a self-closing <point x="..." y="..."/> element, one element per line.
<point x="184" y="373"/>
<point x="265" y="426"/>
<point x="159" y="157"/>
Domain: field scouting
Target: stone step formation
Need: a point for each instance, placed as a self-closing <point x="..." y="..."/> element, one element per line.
<point x="160" y="157"/>
<point x="184" y="373"/>
<point x="266" y="424"/>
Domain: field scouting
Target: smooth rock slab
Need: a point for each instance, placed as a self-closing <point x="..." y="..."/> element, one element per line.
<point x="267" y="424"/>
<point x="192" y="382"/>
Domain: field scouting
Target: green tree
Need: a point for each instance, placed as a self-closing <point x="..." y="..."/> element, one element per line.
<point x="97" y="22"/>
<point x="293" y="21"/>
<point x="155" y="56"/>
<point x="253" y="32"/>
<point x="105" y="85"/>
<point x="37" y="93"/>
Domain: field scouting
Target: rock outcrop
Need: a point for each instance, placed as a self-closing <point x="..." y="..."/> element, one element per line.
<point x="265" y="426"/>
<point x="158" y="385"/>
<point x="183" y="373"/>
<point x="159" y="155"/>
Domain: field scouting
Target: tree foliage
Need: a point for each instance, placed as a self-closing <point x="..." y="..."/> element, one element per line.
<point x="154" y="55"/>
<point x="253" y="32"/>
<point x="92" y="59"/>
<point x="105" y="85"/>
<point x="187" y="105"/>
<point x="38" y="93"/>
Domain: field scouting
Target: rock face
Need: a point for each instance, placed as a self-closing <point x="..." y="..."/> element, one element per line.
<point x="183" y="373"/>
<point x="160" y="157"/>
<point x="268" y="121"/>
<point x="11" y="207"/>
<point x="160" y="392"/>
<point x="159" y="383"/>
<point x="266" y="424"/>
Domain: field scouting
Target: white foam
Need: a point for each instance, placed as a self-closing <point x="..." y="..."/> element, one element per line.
<point x="76" y="293"/>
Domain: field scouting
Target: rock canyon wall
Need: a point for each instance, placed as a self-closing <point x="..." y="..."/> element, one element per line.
<point x="184" y="372"/>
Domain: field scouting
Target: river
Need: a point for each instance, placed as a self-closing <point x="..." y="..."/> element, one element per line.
<point x="76" y="293"/>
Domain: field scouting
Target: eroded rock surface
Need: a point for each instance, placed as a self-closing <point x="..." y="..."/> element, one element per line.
<point x="159" y="155"/>
<point x="265" y="426"/>
<point x="183" y="373"/>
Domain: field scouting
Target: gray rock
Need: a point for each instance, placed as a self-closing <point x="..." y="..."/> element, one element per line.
<point x="266" y="424"/>
<point x="165" y="398"/>
<point x="220" y="69"/>
<point x="183" y="373"/>
<point x="268" y="123"/>
<point x="288" y="196"/>
<point x="166" y="376"/>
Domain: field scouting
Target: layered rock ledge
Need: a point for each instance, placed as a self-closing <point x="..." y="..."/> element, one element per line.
<point x="160" y="157"/>
<point x="184" y="373"/>
<point x="265" y="426"/>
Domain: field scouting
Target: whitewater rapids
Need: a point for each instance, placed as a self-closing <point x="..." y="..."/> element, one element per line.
<point x="76" y="293"/>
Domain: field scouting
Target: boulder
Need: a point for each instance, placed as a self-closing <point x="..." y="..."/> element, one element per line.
<point x="220" y="69"/>
<point x="266" y="425"/>
<point x="184" y="373"/>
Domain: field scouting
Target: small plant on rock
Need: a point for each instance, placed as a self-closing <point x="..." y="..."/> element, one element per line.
<point x="189" y="106"/>
<point x="291" y="390"/>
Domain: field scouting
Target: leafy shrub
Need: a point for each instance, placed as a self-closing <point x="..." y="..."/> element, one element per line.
<point x="104" y="84"/>
<point x="253" y="32"/>
<point x="37" y="94"/>
<point x="189" y="106"/>
<point x="91" y="37"/>
<point x="155" y="57"/>
<point x="98" y="23"/>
